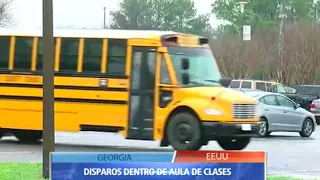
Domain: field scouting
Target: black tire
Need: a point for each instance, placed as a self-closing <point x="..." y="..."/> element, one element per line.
<point x="184" y="132"/>
<point x="234" y="143"/>
<point x="28" y="136"/>
<point x="307" y="128"/>
<point x="264" y="128"/>
<point x="1" y="134"/>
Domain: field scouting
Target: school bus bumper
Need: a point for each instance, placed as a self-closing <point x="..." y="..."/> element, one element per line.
<point x="213" y="130"/>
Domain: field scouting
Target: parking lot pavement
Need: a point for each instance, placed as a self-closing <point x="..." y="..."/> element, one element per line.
<point x="288" y="153"/>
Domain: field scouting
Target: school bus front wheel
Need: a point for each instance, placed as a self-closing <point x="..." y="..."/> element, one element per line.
<point x="184" y="132"/>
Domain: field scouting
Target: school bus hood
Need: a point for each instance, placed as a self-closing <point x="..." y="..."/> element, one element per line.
<point x="220" y="93"/>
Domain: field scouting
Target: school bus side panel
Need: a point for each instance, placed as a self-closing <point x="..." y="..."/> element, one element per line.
<point x="73" y="107"/>
<point x="80" y="99"/>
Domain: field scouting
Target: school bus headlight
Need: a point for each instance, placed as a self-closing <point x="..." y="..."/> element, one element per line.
<point x="213" y="112"/>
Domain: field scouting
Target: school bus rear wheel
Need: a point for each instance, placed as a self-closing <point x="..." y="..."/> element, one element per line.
<point x="28" y="135"/>
<point x="184" y="132"/>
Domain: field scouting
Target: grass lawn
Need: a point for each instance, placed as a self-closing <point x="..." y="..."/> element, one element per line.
<point x="285" y="178"/>
<point x="33" y="171"/>
<point x="21" y="171"/>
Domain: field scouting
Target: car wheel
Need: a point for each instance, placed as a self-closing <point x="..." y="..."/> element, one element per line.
<point x="264" y="128"/>
<point x="307" y="128"/>
<point x="234" y="143"/>
<point x="184" y="132"/>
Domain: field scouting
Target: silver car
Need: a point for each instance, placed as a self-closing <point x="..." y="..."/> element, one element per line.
<point x="279" y="113"/>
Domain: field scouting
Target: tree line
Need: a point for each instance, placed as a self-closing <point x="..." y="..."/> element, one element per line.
<point x="284" y="45"/>
<point x="263" y="58"/>
<point x="174" y="15"/>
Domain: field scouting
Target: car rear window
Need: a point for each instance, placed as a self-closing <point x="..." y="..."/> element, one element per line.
<point x="309" y="90"/>
<point x="281" y="89"/>
<point x="261" y="86"/>
<point x="269" y="87"/>
<point x="235" y="84"/>
<point x="246" y="85"/>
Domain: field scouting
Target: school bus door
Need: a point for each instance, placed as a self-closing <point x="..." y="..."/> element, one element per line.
<point x="142" y="89"/>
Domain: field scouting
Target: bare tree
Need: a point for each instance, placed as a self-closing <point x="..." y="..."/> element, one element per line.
<point x="5" y="13"/>
<point x="304" y="51"/>
<point x="232" y="61"/>
<point x="300" y="54"/>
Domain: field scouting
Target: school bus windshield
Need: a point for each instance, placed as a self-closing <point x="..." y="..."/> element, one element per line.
<point x="203" y="70"/>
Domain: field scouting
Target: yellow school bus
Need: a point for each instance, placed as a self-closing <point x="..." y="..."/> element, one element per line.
<point x="146" y="85"/>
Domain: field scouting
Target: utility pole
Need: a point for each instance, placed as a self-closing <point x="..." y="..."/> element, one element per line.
<point x="315" y="3"/>
<point x="280" y="46"/>
<point x="104" y="18"/>
<point x="246" y="30"/>
<point x="48" y="85"/>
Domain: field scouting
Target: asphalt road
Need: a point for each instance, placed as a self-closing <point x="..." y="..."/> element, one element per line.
<point x="288" y="153"/>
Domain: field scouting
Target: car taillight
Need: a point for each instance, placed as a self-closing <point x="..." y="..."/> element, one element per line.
<point x="313" y="105"/>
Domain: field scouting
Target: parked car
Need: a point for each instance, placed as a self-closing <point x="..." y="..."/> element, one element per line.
<point x="315" y="109"/>
<point x="279" y="113"/>
<point x="304" y="95"/>
<point x="268" y="86"/>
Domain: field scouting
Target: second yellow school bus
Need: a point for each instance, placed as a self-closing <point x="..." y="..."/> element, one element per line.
<point x="147" y="85"/>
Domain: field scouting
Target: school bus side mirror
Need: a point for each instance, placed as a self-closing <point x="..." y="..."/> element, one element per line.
<point x="184" y="63"/>
<point x="185" y="78"/>
<point x="225" y="82"/>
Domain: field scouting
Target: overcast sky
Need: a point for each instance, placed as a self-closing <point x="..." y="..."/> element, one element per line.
<point x="77" y="13"/>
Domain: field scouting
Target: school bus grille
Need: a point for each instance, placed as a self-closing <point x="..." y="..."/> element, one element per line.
<point x="244" y="111"/>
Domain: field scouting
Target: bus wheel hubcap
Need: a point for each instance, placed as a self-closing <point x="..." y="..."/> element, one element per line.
<point x="184" y="132"/>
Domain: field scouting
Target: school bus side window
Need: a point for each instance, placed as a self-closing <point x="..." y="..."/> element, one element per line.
<point x="4" y="52"/>
<point x="116" y="57"/>
<point x="69" y="54"/>
<point x="40" y="53"/>
<point x="23" y="53"/>
<point x="92" y="55"/>
<point x="164" y="76"/>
